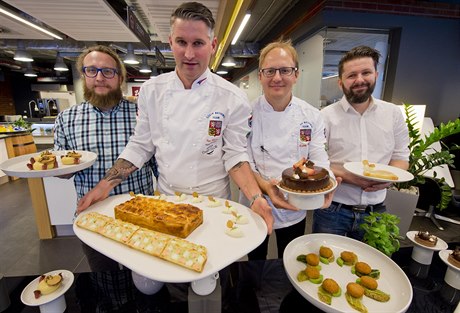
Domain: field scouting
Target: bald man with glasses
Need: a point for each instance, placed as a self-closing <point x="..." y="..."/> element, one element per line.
<point x="102" y="124"/>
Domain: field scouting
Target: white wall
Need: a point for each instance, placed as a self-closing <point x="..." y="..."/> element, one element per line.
<point x="308" y="85"/>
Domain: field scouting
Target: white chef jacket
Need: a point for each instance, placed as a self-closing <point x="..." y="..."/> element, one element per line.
<point x="197" y="134"/>
<point x="280" y="139"/>
<point x="379" y="135"/>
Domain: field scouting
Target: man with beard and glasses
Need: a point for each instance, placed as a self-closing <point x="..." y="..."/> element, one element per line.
<point x="102" y="124"/>
<point x="360" y="127"/>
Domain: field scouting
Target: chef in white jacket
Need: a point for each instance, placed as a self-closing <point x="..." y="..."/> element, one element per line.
<point x="284" y="130"/>
<point x="193" y="121"/>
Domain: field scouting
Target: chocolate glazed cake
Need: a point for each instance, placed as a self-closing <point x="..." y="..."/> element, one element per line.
<point x="297" y="178"/>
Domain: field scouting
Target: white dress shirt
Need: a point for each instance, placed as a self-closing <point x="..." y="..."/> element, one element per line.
<point x="280" y="139"/>
<point x="379" y="135"/>
<point x="197" y="134"/>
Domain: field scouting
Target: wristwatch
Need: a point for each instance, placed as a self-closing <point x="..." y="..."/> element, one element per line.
<point x="254" y="197"/>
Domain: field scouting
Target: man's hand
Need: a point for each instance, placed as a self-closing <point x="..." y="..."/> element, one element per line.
<point x="377" y="186"/>
<point x="329" y="196"/>
<point x="277" y="197"/>
<point x="114" y="176"/>
<point x="100" y="192"/>
<point x="261" y="207"/>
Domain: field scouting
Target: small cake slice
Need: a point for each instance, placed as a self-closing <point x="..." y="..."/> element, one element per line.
<point x="185" y="253"/>
<point x="426" y="239"/>
<point x="149" y="241"/>
<point x="71" y="158"/>
<point x="454" y="257"/>
<point x="370" y="171"/>
<point x="118" y="230"/>
<point x="92" y="221"/>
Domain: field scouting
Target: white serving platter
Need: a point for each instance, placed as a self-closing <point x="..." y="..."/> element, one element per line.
<point x="18" y="166"/>
<point x="357" y="168"/>
<point x="222" y="249"/>
<point x="392" y="279"/>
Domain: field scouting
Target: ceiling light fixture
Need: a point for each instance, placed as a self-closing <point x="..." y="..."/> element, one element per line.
<point x="130" y="57"/>
<point x="60" y="65"/>
<point x="228" y="30"/>
<point x="222" y="71"/>
<point x="228" y="61"/>
<point x="30" y="72"/>
<point x="145" y="68"/>
<point x="241" y="28"/>
<point x="20" y="19"/>
<point x="21" y="54"/>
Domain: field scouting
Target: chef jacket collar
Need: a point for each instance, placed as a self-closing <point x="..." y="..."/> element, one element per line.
<point x="197" y="83"/>
<point x="346" y="106"/>
<point x="267" y="107"/>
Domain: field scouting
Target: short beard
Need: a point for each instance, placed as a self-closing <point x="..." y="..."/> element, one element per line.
<point x="103" y="102"/>
<point x="353" y="98"/>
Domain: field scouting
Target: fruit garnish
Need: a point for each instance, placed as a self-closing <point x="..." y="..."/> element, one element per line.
<point x="195" y="194"/>
<point x="234" y="214"/>
<point x="131" y="194"/>
<point x="211" y="198"/>
<point x="229" y="224"/>
<point x="53" y="280"/>
<point x="227" y="204"/>
<point x="37" y="294"/>
<point x="177" y="193"/>
<point x="156" y="193"/>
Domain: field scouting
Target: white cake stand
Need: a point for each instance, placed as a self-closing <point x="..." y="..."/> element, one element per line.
<point x="424" y="254"/>
<point x="452" y="276"/>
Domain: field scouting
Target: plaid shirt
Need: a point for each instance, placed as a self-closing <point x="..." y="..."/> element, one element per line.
<point x="85" y="127"/>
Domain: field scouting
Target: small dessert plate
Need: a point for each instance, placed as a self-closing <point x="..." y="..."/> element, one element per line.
<point x="28" y="296"/>
<point x="424" y="254"/>
<point x="440" y="244"/>
<point x="308" y="200"/>
<point x="452" y="276"/>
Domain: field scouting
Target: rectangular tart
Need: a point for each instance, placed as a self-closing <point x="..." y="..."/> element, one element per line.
<point x="174" y="219"/>
<point x="185" y="253"/>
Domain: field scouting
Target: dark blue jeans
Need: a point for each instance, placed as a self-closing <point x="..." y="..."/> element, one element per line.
<point x="340" y="221"/>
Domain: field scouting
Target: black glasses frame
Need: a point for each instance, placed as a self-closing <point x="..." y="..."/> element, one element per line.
<point x="107" y="72"/>
<point x="284" y="71"/>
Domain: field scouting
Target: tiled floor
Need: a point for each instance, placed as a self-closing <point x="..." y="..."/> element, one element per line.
<point x="22" y="253"/>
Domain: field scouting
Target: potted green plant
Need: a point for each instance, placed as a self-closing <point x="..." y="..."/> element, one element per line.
<point x="23" y="124"/>
<point x="421" y="162"/>
<point x="402" y="198"/>
<point x="381" y="231"/>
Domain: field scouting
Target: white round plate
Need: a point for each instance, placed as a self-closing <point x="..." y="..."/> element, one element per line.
<point x="28" y="297"/>
<point x="210" y="234"/>
<point x="440" y="244"/>
<point x="357" y="168"/>
<point x="392" y="279"/>
<point x="310" y="194"/>
<point x="307" y="200"/>
<point x="18" y="166"/>
<point x="444" y="254"/>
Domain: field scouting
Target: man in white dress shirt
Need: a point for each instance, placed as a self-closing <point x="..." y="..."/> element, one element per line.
<point x="193" y="121"/>
<point x="360" y="127"/>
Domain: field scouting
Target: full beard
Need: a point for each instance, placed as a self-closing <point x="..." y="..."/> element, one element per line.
<point x="354" y="98"/>
<point x="103" y="102"/>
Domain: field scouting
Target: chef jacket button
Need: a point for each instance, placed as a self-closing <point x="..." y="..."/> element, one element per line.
<point x="194" y="144"/>
<point x="167" y="165"/>
<point x="191" y="166"/>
